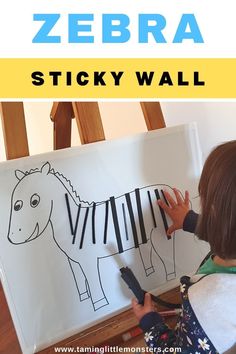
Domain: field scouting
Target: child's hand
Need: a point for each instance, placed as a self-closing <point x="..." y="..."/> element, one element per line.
<point x="177" y="209"/>
<point x="141" y="310"/>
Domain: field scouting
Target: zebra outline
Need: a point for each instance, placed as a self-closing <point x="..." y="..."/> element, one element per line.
<point x="42" y="196"/>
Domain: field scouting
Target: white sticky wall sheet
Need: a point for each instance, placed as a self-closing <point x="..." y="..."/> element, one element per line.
<point x="72" y="218"/>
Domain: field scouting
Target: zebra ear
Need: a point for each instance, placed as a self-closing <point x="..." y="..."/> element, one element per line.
<point x="19" y="174"/>
<point x="46" y="168"/>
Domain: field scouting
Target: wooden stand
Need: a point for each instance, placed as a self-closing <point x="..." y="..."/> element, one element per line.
<point x="90" y="128"/>
<point x="89" y="121"/>
<point x="14" y="129"/>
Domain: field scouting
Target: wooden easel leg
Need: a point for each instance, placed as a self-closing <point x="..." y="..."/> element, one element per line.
<point x="61" y="115"/>
<point x="14" y="129"/>
<point x="153" y="115"/>
<point x="89" y="121"/>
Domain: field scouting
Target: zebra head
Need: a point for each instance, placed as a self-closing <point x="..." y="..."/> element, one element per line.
<point x="30" y="207"/>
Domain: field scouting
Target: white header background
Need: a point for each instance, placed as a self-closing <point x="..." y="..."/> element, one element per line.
<point x="215" y="18"/>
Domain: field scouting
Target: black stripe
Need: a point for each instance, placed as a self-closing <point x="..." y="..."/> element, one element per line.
<point x="76" y="224"/>
<point x="69" y="214"/>
<point x="164" y="197"/>
<point x="93" y="223"/>
<point x="116" y="224"/>
<point x="106" y="222"/>
<point x="140" y="215"/>
<point x="152" y="211"/>
<point x="84" y="227"/>
<point x="125" y="222"/>
<point x="162" y="213"/>
<point x="72" y="230"/>
<point x="132" y="220"/>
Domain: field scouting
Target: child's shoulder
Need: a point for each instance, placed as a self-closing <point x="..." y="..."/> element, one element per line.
<point x="214" y="289"/>
<point x="213" y="284"/>
<point x="203" y="289"/>
<point x="213" y="301"/>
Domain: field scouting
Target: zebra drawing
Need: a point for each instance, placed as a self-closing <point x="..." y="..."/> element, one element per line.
<point x="88" y="231"/>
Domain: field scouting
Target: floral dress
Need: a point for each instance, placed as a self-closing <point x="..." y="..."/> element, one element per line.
<point x="188" y="334"/>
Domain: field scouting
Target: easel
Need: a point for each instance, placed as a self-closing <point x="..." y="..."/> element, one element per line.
<point x="90" y="128"/>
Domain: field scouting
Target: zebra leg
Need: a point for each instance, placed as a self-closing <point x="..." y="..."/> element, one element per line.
<point x="166" y="254"/>
<point x="80" y="280"/>
<point x="93" y="277"/>
<point x="145" y="253"/>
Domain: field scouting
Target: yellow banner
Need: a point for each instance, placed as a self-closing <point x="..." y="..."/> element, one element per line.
<point x="117" y="78"/>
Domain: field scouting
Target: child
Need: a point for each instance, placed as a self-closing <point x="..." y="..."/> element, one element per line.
<point x="208" y="320"/>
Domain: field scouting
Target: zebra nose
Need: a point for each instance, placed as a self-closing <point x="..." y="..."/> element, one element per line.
<point x="19" y="229"/>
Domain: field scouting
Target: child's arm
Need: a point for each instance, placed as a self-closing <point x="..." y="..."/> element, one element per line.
<point x="157" y="333"/>
<point x="190" y="221"/>
<point x="179" y="212"/>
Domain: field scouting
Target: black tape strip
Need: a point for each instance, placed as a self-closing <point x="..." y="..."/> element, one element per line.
<point x="93" y="223"/>
<point x="125" y="222"/>
<point x="151" y="207"/>
<point x="69" y="214"/>
<point x="106" y="222"/>
<point x="84" y="227"/>
<point x="72" y="230"/>
<point x="140" y="216"/>
<point x="162" y="213"/>
<point x="132" y="220"/>
<point x="76" y="224"/>
<point x="116" y="224"/>
<point x="164" y="197"/>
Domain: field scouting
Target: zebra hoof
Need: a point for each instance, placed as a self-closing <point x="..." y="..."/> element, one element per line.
<point x="100" y="303"/>
<point x="149" y="271"/>
<point x="170" y="276"/>
<point x="84" y="296"/>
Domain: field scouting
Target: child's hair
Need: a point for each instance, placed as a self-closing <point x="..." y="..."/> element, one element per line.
<point x="217" y="189"/>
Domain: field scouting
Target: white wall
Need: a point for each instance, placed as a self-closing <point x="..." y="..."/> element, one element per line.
<point x="216" y="122"/>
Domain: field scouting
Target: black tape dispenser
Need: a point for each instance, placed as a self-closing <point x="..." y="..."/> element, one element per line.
<point x="129" y="278"/>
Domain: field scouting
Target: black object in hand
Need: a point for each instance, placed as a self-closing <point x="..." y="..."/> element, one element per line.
<point x="129" y="278"/>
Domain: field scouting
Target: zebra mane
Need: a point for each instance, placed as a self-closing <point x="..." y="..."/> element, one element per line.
<point x="67" y="183"/>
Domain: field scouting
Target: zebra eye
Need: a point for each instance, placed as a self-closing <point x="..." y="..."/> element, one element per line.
<point x="34" y="200"/>
<point x="18" y="205"/>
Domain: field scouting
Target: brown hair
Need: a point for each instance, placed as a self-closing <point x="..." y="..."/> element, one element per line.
<point x="217" y="189"/>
